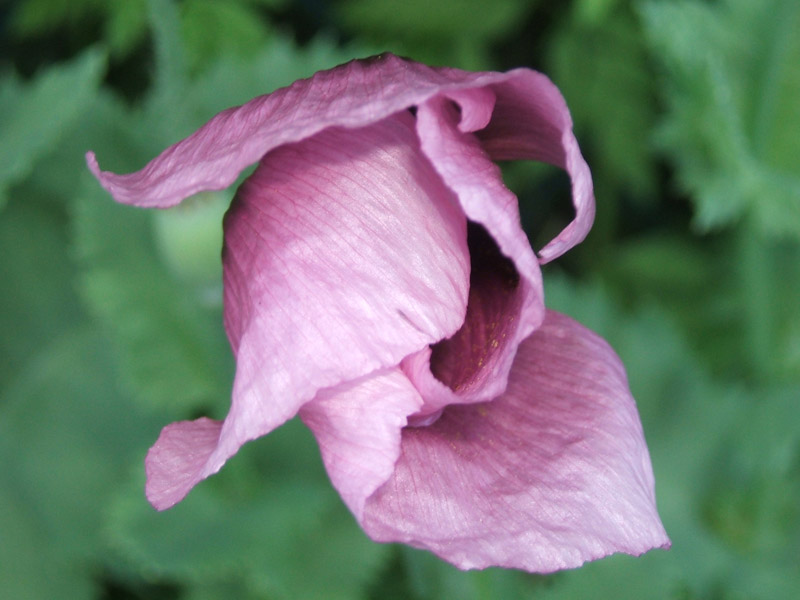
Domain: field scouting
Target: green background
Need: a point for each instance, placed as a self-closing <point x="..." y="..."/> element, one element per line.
<point x="110" y="317"/>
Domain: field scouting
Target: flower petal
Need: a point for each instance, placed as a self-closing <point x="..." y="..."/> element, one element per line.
<point x="506" y="298"/>
<point x="351" y="95"/>
<point x="358" y="427"/>
<point x="175" y="459"/>
<point x="531" y="122"/>
<point x="343" y="254"/>
<point x="553" y="473"/>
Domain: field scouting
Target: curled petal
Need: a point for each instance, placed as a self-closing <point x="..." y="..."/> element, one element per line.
<point x="531" y="122"/>
<point x="528" y="121"/>
<point x="176" y="459"/>
<point x="475" y="105"/>
<point x="505" y="298"/>
<point x="552" y="474"/>
<point x="358" y="427"/>
<point x="355" y="94"/>
<point x="343" y="254"/>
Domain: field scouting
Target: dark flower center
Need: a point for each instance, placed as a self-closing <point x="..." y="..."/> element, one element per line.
<point x="465" y="359"/>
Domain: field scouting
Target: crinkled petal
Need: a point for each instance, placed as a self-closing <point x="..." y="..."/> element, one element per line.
<point x="351" y="95"/>
<point x="475" y="106"/>
<point x="531" y="122"/>
<point x="506" y="298"/>
<point x="553" y="473"/>
<point x="343" y="254"/>
<point x="358" y="427"/>
<point x="174" y="460"/>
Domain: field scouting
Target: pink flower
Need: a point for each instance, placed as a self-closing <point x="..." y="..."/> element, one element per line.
<point x="378" y="283"/>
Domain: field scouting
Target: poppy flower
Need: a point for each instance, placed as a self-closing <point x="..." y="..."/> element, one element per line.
<point x="378" y="283"/>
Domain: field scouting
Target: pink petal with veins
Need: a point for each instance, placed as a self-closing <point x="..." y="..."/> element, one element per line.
<point x="343" y="254"/>
<point x="553" y="473"/>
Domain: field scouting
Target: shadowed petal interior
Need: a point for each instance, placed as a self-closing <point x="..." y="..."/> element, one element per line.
<point x="552" y="474"/>
<point x="506" y="298"/>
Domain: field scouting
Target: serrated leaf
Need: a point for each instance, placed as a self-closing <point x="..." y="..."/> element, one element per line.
<point x="270" y="520"/>
<point x="34" y="115"/>
<point x="600" y="64"/>
<point x="732" y="78"/>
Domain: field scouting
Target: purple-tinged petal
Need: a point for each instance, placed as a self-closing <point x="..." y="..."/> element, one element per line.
<point x="531" y="122"/>
<point x="343" y="254"/>
<point x="175" y="459"/>
<point x="552" y="474"/>
<point x="355" y="94"/>
<point x="505" y="297"/>
<point x="358" y="427"/>
<point x="475" y="106"/>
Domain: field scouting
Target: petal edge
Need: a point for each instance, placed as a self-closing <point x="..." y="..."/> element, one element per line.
<point x="552" y="474"/>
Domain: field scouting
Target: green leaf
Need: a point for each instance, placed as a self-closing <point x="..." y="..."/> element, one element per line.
<point x="37" y="296"/>
<point x="725" y="459"/>
<point x="126" y="24"/>
<point x="172" y="349"/>
<point x="35" y="17"/>
<point x="33" y="116"/>
<point x="66" y="435"/>
<point x="661" y="264"/>
<point x="732" y="76"/>
<point x="230" y="81"/>
<point x="212" y="29"/>
<point x="429" y="577"/>
<point x="452" y="32"/>
<point x="31" y="567"/>
<point x="668" y="269"/>
<point x="123" y="20"/>
<point x="269" y="520"/>
<point x="738" y="320"/>
<point x="599" y="62"/>
<point x="171" y="73"/>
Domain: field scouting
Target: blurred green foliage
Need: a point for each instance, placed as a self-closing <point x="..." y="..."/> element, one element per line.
<point x="733" y="79"/>
<point x="110" y="327"/>
<point x="451" y="32"/>
<point x="31" y="123"/>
